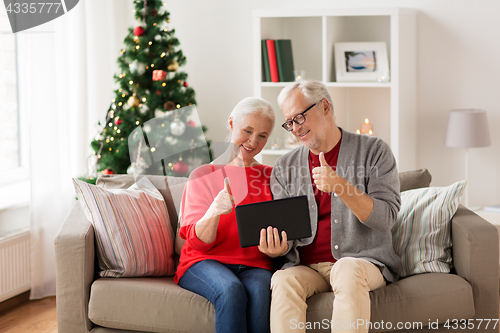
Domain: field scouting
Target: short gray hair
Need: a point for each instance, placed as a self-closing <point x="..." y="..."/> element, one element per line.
<point x="313" y="91"/>
<point x="252" y="105"/>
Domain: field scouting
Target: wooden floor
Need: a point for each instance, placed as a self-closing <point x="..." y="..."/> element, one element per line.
<point x="34" y="316"/>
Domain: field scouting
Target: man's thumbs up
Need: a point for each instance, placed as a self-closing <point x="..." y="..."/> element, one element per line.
<point x="324" y="176"/>
<point x="322" y="159"/>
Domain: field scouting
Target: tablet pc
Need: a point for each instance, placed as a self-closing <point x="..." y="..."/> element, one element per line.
<point x="289" y="214"/>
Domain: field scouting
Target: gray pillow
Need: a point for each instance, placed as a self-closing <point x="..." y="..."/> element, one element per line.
<point x="411" y="180"/>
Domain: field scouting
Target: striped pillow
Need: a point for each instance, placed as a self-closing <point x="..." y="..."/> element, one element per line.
<point x="421" y="235"/>
<point x="132" y="229"/>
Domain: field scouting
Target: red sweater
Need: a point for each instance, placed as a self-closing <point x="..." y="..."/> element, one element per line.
<point x="248" y="185"/>
<point x="320" y="250"/>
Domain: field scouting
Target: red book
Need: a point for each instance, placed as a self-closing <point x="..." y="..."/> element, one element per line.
<point x="273" y="64"/>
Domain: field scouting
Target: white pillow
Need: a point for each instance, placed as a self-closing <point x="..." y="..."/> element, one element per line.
<point x="421" y="235"/>
<point x="132" y="229"/>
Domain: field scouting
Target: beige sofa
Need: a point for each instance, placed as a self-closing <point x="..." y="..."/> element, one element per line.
<point x="86" y="303"/>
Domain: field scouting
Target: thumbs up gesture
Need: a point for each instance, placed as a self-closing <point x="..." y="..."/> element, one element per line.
<point x="223" y="202"/>
<point x="324" y="176"/>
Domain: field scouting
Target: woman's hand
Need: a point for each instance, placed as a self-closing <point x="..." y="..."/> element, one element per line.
<point x="271" y="244"/>
<point x="206" y="228"/>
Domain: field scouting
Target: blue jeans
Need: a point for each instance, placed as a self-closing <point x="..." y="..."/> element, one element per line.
<point x="240" y="294"/>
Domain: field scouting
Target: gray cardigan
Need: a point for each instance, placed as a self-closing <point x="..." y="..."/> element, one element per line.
<point x="368" y="163"/>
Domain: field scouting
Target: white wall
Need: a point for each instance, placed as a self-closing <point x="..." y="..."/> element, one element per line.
<point x="458" y="67"/>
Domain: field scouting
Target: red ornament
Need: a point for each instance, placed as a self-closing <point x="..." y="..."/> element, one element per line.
<point x="158" y="93"/>
<point x="185" y="84"/>
<point x="107" y="172"/>
<point x="139" y="31"/>
<point x="118" y="121"/>
<point x="159" y="75"/>
<point x="191" y="123"/>
<point x="180" y="168"/>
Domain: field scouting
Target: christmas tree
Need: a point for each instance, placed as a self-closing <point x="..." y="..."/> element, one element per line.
<point x="151" y="86"/>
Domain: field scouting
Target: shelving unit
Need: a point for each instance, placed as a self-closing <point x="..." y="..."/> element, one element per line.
<point x="390" y="106"/>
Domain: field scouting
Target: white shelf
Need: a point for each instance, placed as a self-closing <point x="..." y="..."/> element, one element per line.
<point x="390" y="106"/>
<point x="334" y="84"/>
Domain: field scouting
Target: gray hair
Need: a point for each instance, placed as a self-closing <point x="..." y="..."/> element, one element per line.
<point x="313" y="91"/>
<point x="249" y="106"/>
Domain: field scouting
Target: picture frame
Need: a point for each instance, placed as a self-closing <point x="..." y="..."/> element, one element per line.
<point x="361" y="61"/>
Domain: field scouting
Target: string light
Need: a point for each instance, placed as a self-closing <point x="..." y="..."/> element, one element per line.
<point x="112" y="139"/>
<point x="137" y="47"/>
<point x="110" y="124"/>
<point x="118" y="131"/>
<point x="178" y="105"/>
<point x="153" y="149"/>
<point x="162" y="125"/>
<point x="152" y="65"/>
<point x="117" y="151"/>
<point x="137" y="122"/>
<point x="163" y="84"/>
<point x="144" y="99"/>
<point x="120" y="103"/>
<point x="150" y="43"/>
<point x="130" y="82"/>
<point x="110" y="149"/>
<point x="163" y="54"/>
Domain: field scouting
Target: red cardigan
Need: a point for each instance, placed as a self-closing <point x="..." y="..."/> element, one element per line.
<point x="248" y="185"/>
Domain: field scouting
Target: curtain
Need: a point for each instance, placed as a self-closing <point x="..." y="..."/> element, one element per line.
<point x="65" y="74"/>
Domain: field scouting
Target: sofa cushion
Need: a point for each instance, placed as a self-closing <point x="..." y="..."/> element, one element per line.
<point x="171" y="188"/>
<point x="133" y="233"/>
<point x="166" y="307"/>
<point x="410" y="180"/>
<point x="422" y="298"/>
<point x="161" y="306"/>
<point x="422" y="231"/>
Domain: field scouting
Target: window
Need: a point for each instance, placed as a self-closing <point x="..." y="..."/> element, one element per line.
<point x="12" y="154"/>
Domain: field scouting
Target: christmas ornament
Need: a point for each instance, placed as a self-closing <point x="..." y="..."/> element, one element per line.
<point x="173" y="66"/>
<point x="139" y="31"/>
<point x="108" y="172"/>
<point x="180" y="168"/>
<point x="118" y="121"/>
<point x="137" y="67"/>
<point x="177" y="127"/>
<point x="191" y="124"/>
<point x="133" y="101"/>
<point x="159" y="75"/>
<point x="169" y="106"/>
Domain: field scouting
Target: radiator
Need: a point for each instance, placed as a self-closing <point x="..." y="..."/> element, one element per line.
<point x="14" y="264"/>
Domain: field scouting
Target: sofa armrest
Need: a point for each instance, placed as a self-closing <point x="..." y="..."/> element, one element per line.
<point x="75" y="263"/>
<point x="475" y="257"/>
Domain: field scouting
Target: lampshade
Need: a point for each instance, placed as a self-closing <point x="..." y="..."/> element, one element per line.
<point x="467" y="128"/>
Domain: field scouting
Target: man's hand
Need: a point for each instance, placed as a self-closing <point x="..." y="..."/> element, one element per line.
<point x="271" y="244"/>
<point x="324" y="177"/>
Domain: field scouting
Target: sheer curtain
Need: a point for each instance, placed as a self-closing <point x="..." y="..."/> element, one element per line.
<point x="65" y="70"/>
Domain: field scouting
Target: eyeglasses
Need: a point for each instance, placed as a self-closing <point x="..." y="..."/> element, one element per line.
<point x="299" y="119"/>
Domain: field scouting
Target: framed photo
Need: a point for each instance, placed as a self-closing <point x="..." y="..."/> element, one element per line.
<point x="364" y="61"/>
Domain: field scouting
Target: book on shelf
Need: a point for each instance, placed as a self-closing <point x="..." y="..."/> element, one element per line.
<point x="266" y="73"/>
<point x="492" y="209"/>
<point x="273" y="66"/>
<point x="284" y="59"/>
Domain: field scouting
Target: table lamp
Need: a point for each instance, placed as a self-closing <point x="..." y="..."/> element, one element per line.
<point x="467" y="128"/>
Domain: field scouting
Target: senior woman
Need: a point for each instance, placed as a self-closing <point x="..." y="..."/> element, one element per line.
<point x="212" y="264"/>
